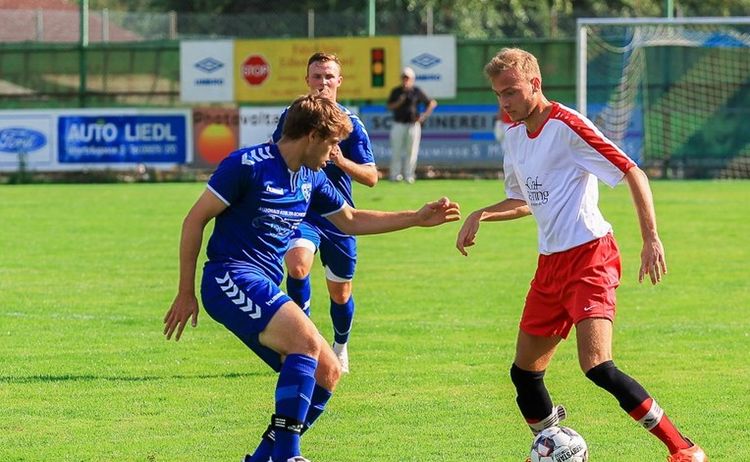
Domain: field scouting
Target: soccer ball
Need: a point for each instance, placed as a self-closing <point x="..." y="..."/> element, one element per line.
<point x="559" y="444"/>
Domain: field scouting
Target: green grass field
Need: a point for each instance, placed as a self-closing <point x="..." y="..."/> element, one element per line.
<point x="87" y="272"/>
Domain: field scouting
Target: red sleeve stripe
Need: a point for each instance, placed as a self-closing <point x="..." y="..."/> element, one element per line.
<point x="593" y="137"/>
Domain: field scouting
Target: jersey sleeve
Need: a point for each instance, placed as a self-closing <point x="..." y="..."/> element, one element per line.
<point x="512" y="187"/>
<point x="231" y="178"/>
<point x="359" y="148"/>
<point x="325" y="199"/>
<point x="279" y="127"/>
<point x="596" y="154"/>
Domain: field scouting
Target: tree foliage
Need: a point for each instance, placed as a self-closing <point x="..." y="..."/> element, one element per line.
<point x="467" y="18"/>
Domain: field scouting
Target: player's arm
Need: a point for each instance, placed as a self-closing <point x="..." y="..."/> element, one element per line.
<point x="357" y="222"/>
<point x="366" y="174"/>
<point x="508" y="209"/>
<point x="653" y="261"/>
<point x="429" y="107"/>
<point x="185" y="304"/>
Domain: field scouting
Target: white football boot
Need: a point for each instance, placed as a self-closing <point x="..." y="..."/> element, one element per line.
<point x="343" y="355"/>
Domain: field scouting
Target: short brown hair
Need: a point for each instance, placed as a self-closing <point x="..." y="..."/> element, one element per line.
<point x="513" y="58"/>
<point x="313" y="113"/>
<point x="320" y="57"/>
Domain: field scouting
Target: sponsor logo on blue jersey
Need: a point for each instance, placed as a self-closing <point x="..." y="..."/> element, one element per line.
<point x="275" y="225"/>
<point x="18" y="140"/>
<point x="275" y="191"/>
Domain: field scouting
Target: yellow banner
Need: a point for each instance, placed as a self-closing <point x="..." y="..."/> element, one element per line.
<point x="273" y="71"/>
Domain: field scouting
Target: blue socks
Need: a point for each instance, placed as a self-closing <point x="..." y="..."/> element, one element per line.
<point x="320" y="398"/>
<point x="293" y="395"/>
<point x="342" y="317"/>
<point x="318" y="403"/>
<point x="265" y="448"/>
<point x="300" y="291"/>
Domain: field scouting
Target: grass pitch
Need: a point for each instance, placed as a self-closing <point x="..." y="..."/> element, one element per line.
<point x="87" y="272"/>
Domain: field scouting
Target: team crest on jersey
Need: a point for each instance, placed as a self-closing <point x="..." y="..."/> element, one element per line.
<point x="306" y="190"/>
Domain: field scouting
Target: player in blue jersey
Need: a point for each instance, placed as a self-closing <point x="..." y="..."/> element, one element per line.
<point x="353" y="160"/>
<point x="258" y="197"/>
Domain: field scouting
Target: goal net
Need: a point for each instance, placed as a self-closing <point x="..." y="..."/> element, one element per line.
<point x="673" y="93"/>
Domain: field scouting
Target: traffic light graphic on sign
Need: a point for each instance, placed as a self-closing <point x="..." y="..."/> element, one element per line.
<point x="377" y="67"/>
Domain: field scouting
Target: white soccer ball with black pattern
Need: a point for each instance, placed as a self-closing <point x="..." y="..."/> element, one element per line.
<point x="559" y="444"/>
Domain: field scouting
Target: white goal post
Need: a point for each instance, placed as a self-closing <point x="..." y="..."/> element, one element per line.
<point x="669" y="91"/>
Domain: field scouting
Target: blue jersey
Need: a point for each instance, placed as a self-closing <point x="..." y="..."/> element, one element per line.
<point x="356" y="148"/>
<point x="266" y="203"/>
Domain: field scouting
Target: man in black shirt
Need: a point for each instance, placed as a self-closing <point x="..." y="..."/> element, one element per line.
<point x="406" y="129"/>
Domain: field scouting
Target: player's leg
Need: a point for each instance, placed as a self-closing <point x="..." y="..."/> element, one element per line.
<point x="533" y="355"/>
<point x="293" y="335"/>
<point x="327" y="376"/>
<point x="591" y="300"/>
<point x="299" y="260"/>
<point x="398" y="146"/>
<point x="254" y="309"/>
<point x="595" y="357"/>
<point x="342" y="317"/>
<point x="339" y="257"/>
<point x="544" y="323"/>
<point x="413" y="138"/>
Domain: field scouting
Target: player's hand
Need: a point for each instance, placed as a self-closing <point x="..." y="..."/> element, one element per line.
<point x="336" y="156"/>
<point x="653" y="261"/>
<point x="468" y="233"/>
<point x="438" y="212"/>
<point x="183" y="307"/>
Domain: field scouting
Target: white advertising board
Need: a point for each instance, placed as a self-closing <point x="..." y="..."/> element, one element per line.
<point x="433" y="58"/>
<point x="207" y="71"/>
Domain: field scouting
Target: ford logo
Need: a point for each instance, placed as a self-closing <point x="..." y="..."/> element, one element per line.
<point x="21" y="140"/>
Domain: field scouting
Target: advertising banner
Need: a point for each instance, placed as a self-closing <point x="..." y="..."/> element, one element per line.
<point x="274" y="70"/>
<point x="207" y="71"/>
<point x="258" y="123"/>
<point x="433" y="58"/>
<point x="28" y="138"/>
<point x="122" y="139"/>
<point x="453" y="136"/>
<point x="216" y="132"/>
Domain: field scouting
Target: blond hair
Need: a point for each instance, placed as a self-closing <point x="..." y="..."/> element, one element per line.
<point x="513" y="58"/>
<point x="313" y="113"/>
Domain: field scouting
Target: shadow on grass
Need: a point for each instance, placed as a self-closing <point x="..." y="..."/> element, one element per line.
<point x="145" y="378"/>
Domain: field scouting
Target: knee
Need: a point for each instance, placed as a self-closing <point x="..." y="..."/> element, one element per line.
<point x="328" y="374"/>
<point x="524" y="379"/>
<point x="306" y="343"/>
<point x="340" y="293"/>
<point x="340" y="298"/>
<point x="297" y="270"/>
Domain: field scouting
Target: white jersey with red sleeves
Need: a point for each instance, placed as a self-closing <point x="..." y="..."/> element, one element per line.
<point x="555" y="171"/>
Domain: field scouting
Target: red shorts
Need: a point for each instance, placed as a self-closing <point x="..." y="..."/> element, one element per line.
<point x="573" y="285"/>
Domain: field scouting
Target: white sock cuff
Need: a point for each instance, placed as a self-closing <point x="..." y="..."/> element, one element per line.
<point x="652" y="417"/>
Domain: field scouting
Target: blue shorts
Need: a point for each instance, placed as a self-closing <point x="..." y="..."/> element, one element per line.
<point x="244" y="301"/>
<point x="338" y="252"/>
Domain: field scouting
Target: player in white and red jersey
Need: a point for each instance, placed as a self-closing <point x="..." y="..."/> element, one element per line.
<point x="553" y="158"/>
